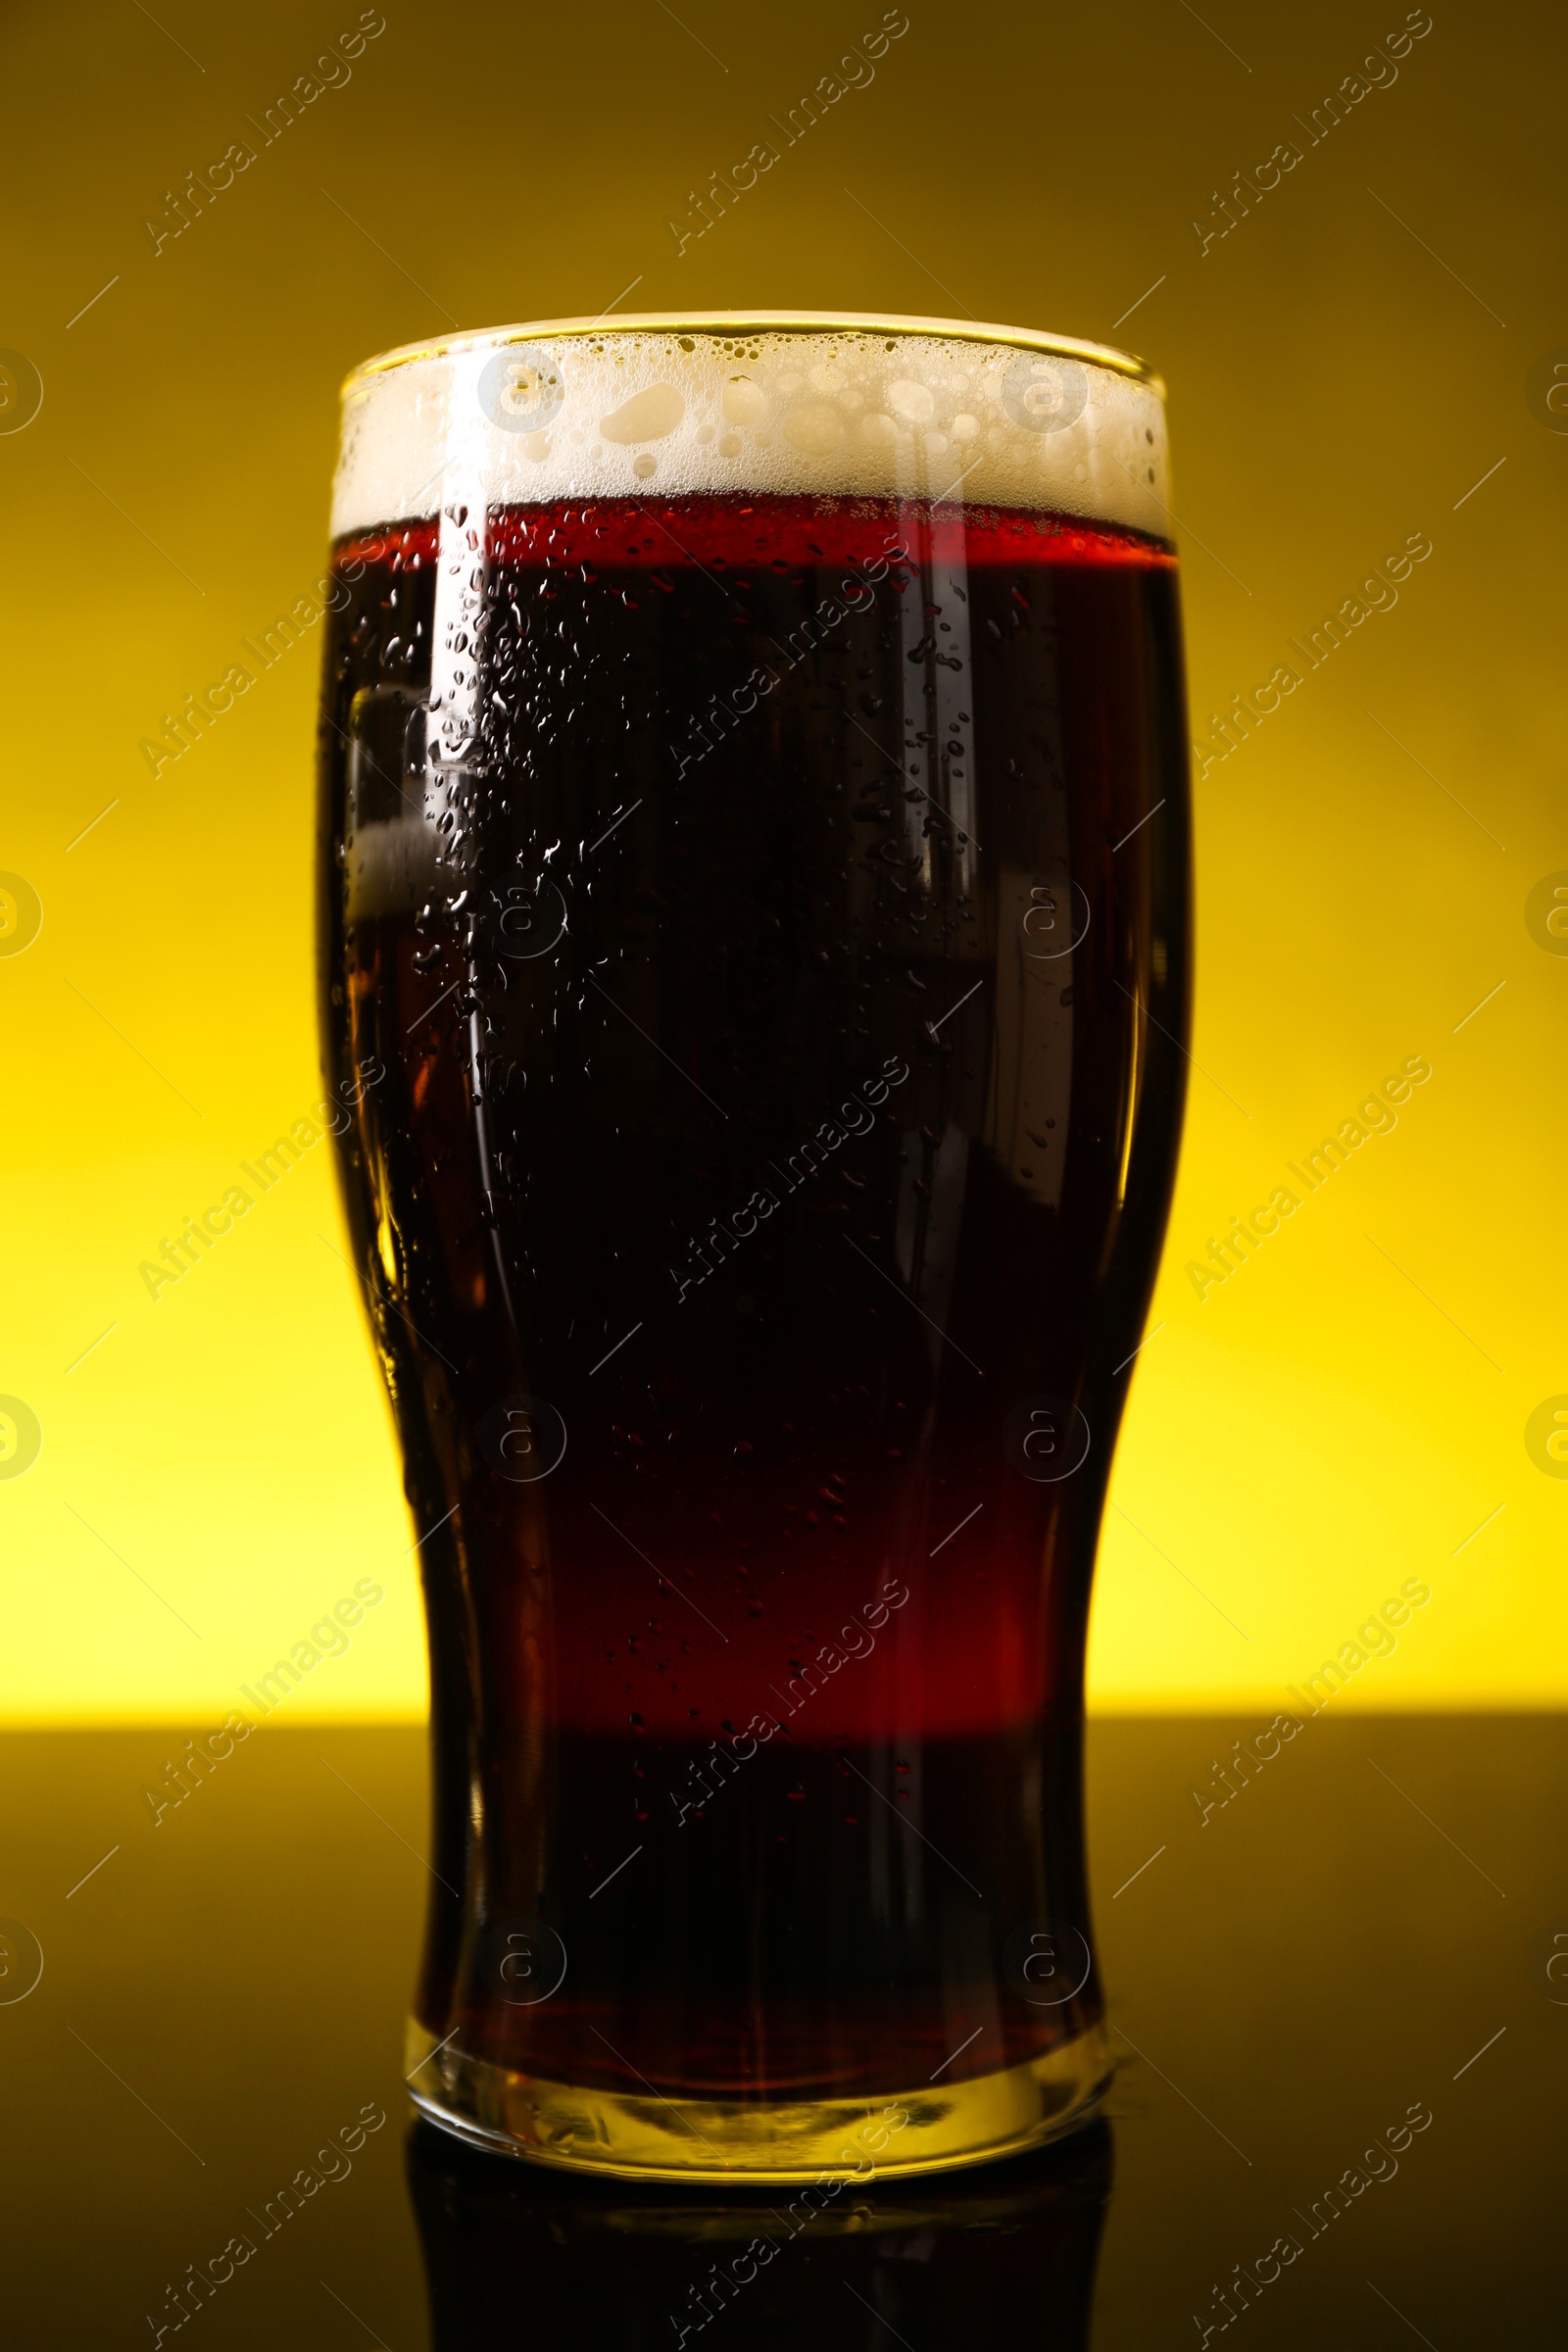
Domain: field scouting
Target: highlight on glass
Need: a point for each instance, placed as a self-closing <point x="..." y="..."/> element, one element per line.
<point x="754" y="897"/>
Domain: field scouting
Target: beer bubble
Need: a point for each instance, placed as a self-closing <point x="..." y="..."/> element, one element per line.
<point x="520" y="388"/>
<point x="524" y="1961"/>
<point x="1047" y="1962"/>
<point x="522" y="1439"/>
<point x="21" y="1437"/>
<point x="743" y="400"/>
<point x="1044" y="394"/>
<point x="915" y="403"/>
<point x="1545" y="913"/>
<point x="1546" y="390"/>
<point x="1056" y="918"/>
<point x="21" y="1960"/>
<point x="646" y="416"/>
<point x="1048" y="1439"/>
<point x="1546" y="1437"/>
<point x="20" y="391"/>
<point x="21" y="914"/>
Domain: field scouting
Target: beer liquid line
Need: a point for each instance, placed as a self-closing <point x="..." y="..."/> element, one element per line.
<point x="753" y="1211"/>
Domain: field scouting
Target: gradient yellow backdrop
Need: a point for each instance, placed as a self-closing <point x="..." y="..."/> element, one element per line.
<point x="1356" y="352"/>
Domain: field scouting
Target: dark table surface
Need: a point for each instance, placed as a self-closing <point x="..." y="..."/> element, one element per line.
<point x="1365" y="1930"/>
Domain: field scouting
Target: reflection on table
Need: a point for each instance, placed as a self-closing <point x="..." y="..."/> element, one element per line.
<point x="1005" y="2254"/>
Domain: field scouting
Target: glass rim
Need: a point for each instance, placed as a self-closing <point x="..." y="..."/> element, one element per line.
<point x="771" y="323"/>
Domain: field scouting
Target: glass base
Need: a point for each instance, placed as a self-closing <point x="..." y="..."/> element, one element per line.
<point x="748" y="2141"/>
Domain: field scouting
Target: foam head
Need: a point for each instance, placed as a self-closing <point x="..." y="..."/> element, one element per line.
<point x="803" y="407"/>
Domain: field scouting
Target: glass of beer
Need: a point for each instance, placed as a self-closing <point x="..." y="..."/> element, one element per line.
<point x="755" y="911"/>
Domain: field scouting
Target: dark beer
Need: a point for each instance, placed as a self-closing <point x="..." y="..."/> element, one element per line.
<point x="770" y="914"/>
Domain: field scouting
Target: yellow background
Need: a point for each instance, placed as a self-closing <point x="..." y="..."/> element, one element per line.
<point x="1327" y="1423"/>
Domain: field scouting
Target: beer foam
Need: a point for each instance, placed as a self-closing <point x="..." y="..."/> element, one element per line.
<point x="902" y="408"/>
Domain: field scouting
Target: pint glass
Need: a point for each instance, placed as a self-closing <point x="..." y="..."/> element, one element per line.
<point x="754" y="857"/>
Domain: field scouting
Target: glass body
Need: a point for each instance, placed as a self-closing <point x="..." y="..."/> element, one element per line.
<point x="755" y="945"/>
